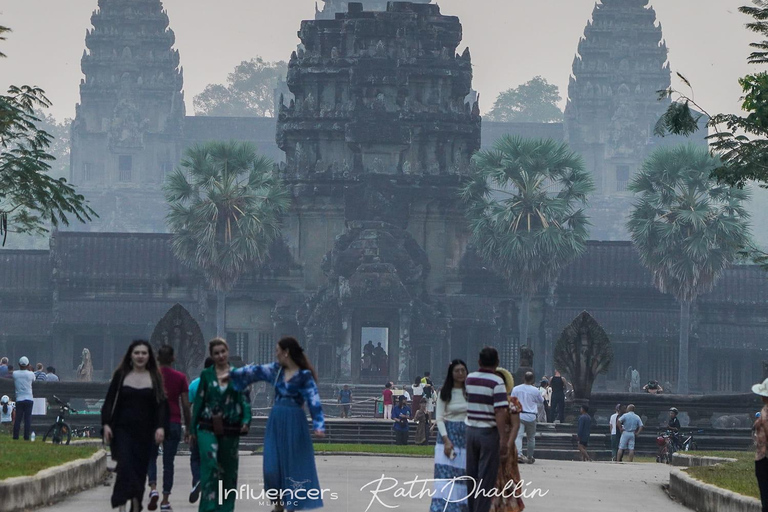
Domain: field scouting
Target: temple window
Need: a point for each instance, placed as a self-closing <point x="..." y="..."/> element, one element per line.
<point x="125" y="167"/>
<point x="622" y="178"/>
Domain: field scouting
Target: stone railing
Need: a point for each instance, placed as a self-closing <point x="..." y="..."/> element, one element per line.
<point x="704" y="497"/>
<point x="52" y="484"/>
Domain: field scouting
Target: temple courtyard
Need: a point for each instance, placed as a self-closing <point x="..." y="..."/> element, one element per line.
<point x="568" y="486"/>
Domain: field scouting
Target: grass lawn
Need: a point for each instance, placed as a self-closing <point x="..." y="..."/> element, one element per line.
<point x="24" y="458"/>
<point x="736" y="476"/>
<point x="373" y="448"/>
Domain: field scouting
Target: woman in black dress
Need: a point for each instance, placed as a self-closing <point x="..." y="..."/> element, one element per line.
<point x="134" y="417"/>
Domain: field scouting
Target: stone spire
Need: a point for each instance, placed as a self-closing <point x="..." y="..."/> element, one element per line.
<point x="128" y="126"/>
<point x="612" y="96"/>
<point x="379" y="93"/>
<point x="331" y="7"/>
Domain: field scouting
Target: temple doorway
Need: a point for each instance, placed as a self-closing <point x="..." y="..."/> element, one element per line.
<point x="374" y="350"/>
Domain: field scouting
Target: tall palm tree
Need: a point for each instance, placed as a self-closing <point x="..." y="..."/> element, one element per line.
<point x="687" y="229"/>
<point x="525" y="206"/>
<point x="225" y="205"/>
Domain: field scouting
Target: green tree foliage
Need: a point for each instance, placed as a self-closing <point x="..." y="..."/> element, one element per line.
<point x="532" y="102"/>
<point x="740" y="141"/>
<point x="250" y="91"/>
<point x="225" y="204"/>
<point x="687" y="228"/>
<point x="525" y="207"/>
<point x="31" y="200"/>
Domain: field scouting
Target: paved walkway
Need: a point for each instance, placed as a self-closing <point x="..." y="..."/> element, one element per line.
<point x="572" y="486"/>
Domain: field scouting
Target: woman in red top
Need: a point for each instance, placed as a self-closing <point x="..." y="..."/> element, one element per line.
<point x="387" y="393"/>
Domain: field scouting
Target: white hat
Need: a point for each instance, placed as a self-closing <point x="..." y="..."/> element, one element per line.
<point x="23" y="361"/>
<point x="5" y="399"/>
<point x="761" y="389"/>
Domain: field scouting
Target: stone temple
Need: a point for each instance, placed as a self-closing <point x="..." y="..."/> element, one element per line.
<point x="373" y="271"/>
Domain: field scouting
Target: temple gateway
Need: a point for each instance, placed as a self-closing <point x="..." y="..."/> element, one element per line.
<point x="373" y="272"/>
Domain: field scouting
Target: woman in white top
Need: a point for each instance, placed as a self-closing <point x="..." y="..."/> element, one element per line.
<point x="418" y="392"/>
<point x="451" y="447"/>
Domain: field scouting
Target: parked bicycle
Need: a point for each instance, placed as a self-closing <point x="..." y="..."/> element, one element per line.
<point x="666" y="441"/>
<point x="689" y="443"/>
<point x="85" y="432"/>
<point x="60" y="432"/>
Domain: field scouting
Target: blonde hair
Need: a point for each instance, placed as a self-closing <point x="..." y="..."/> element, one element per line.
<point x="509" y="380"/>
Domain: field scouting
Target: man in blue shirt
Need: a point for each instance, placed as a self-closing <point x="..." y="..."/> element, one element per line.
<point x="585" y="423"/>
<point x="345" y="399"/>
<point x="631" y="426"/>
<point x="401" y="414"/>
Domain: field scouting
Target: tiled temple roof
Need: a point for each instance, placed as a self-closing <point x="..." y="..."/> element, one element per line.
<point x="130" y="256"/>
<point x="722" y="336"/>
<point x="606" y="264"/>
<point x="624" y="323"/>
<point x="25" y="272"/>
<point x="25" y="322"/>
<point x="117" y="311"/>
<point x="741" y="284"/>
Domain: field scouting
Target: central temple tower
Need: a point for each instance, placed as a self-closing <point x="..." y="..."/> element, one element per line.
<point x="377" y="142"/>
<point x="613" y="104"/>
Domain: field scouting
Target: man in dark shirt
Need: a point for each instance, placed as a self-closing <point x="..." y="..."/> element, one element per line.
<point x="558" y="383"/>
<point x="585" y="424"/>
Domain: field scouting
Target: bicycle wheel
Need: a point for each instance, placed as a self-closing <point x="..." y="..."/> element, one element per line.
<point x="66" y="433"/>
<point x="53" y="435"/>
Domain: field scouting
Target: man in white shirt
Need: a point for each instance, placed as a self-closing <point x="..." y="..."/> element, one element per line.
<point x="615" y="431"/>
<point x="529" y="398"/>
<point x="22" y="380"/>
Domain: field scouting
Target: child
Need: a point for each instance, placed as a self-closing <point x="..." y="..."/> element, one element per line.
<point x="7" y="414"/>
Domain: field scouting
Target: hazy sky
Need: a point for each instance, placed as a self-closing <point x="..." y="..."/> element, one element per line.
<point x="511" y="41"/>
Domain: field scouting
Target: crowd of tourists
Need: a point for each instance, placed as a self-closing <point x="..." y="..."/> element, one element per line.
<point x="41" y="372"/>
<point x="149" y="404"/>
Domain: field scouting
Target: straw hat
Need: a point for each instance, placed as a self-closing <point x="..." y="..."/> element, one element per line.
<point x="509" y="380"/>
<point x="761" y="389"/>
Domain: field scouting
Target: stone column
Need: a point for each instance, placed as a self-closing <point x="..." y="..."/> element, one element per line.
<point x="404" y="346"/>
<point x="344" y="350"/>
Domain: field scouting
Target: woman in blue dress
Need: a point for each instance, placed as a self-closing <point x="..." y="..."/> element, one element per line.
<point x="289" y="459"/>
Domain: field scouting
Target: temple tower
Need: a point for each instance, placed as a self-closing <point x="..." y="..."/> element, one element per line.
<point x="128" y="126"/>
<point x="613" y="102"/>
<point x="377" y="141"/>
<point x="331" y="7"/>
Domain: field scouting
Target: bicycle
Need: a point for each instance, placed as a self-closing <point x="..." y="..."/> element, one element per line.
<point x="85" y="432"/>
<point x="689" y="444"/>
<point x="665" y="440"/>
<point x="60" y="432"/>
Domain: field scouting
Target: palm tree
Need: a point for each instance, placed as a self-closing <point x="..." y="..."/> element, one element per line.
<point x="687" y="229"/>
<point x="225" y="205"/>
<point x="525" y="207"/>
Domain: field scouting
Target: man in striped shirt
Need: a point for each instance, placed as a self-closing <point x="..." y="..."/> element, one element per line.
<point x="486" y="444"/>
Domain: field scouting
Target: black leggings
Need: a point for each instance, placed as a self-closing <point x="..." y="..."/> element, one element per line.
<point x="761" y="473"/>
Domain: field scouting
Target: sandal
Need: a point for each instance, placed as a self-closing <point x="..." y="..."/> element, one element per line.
<point x="153" y="498"/>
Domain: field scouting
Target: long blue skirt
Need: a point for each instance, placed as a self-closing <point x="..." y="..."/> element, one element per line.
<point x="450" y="491"/>
<point x="289" y="459"/>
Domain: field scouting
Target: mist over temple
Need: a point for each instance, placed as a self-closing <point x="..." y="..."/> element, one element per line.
<point x="373" y="142"/>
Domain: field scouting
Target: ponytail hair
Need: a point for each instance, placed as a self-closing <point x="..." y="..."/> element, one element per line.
<point x="297" y="354"/>
<point x="5" y="408"/>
